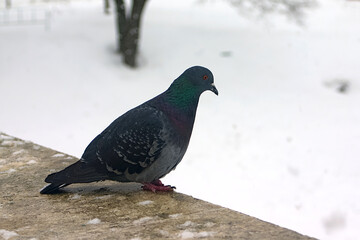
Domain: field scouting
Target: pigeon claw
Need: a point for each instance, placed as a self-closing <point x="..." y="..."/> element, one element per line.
<point x="157" y="186"/>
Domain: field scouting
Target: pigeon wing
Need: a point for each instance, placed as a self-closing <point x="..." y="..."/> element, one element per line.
<point x="132" y="142"/>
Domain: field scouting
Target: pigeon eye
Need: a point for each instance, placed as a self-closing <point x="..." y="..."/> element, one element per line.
<point x="205" y="77"/>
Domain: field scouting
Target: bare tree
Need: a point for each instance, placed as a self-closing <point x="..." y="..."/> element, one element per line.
<point x="294" y="9"/>
<point x="128" y="25"/>
<point x="8" y="3"/>
<point x="106" y="7"/>
<point x="128" y="22"/>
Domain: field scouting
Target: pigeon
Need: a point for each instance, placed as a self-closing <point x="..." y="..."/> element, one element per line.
<point x="145" y="143"/>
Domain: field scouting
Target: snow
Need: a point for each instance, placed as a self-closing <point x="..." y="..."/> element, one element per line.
<point x="7" y="234"/>
<point x="11" y="170"/>
<point x="187" y="224"/>
<point x="164" y="233"/>
<point x="58" y="155"/>
<point x="94" y="221"/>
<point x="280" y="142"/>
<point x="142" y="220"/>
<point x="104" y="197"/>
<point x="31" y="162"/>
<point x="36" y="147"/>
<point x="4" y="137"/>
<point x="75" y="196"/>
<point x="6" y="143"/>
<point x="18" y="152"/>
<point x="187" y="234"/>
<point x="146" y="202"/>
<point x="176" y="215"/>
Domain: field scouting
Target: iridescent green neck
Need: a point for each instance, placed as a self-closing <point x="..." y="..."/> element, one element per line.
<point x="182" y="94"/>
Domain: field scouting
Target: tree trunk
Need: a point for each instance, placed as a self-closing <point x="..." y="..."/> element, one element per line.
<point x="8" y="3"/>
<point x="106" y="7"/>
<point x="128" y="30"/>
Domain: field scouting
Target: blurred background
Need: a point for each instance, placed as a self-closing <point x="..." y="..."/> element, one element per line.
<point x="281" y="142"/>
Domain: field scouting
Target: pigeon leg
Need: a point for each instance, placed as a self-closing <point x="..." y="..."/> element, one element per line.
<point x="157" y="182"/>
<point x="157" y="186"/>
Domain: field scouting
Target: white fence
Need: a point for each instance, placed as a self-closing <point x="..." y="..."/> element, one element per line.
<point x="25" y="16"/>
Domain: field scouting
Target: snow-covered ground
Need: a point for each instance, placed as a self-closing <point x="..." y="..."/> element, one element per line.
<point x="280" y="142"/>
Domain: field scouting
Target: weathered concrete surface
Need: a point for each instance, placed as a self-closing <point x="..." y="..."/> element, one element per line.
<point x="107" y="210"/>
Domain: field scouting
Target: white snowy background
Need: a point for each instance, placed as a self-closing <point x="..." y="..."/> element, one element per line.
<point x="280" y="142"/>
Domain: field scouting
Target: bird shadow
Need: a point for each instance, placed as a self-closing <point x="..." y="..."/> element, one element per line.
<point x="102" y="187"/>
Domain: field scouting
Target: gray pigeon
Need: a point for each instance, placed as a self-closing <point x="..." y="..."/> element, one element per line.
<point x="145" y="143"/>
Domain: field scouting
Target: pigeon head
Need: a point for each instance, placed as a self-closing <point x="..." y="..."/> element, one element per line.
<point x="185" y="91"/>
<point x="193" y="82"/>
<point x="200" y="78"/>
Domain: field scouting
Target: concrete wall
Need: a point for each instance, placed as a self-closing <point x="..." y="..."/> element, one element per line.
<point x="107" y="210"/>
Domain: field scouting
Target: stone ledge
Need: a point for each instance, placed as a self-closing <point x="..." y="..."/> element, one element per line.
<point x="107" y="210"/>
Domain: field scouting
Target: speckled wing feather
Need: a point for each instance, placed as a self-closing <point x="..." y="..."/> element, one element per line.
<point x="130" y="144"/>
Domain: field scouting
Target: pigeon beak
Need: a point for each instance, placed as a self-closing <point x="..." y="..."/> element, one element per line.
<point x="213" y="89"/>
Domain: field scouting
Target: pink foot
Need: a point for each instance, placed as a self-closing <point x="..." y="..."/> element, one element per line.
<point x="157" y="186"/>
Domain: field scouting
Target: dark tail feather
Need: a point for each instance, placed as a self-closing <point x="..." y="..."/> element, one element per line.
<point x="52" y="188"/>
<point x="78" y="172"/>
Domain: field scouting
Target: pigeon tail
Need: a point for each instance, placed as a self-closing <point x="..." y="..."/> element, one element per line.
<point x="52" y="188"/>
<point x="79" y="172"/>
